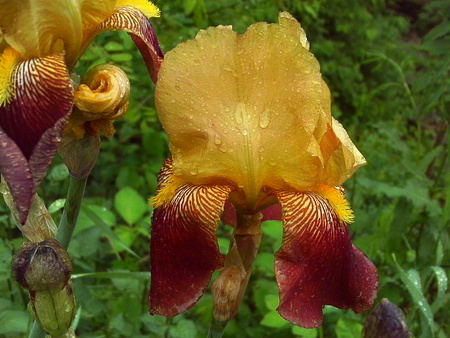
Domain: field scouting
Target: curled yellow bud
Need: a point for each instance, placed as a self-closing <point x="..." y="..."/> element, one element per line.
<point x="101" y="98"/>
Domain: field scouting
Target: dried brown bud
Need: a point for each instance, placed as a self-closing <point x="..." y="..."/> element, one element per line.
<point x="386" y="321"/>
<point x="42" y="266"/>
<point x="225" y="292"/>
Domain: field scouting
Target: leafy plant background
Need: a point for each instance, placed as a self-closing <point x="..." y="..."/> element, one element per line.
<point x="387" y="64"/>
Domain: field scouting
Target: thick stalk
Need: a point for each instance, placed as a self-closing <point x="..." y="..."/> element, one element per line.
<point x="71" y="210"/>
<point x="229" y="288"/>
<point x="66" y="227"/>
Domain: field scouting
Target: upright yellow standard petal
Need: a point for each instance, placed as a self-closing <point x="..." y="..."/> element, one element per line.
<point x="251" y="109"/>
<point x="37" y="28"/>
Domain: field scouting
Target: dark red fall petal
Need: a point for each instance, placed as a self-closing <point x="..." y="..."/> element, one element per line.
<point x="32" y="124"/>
<point x="183" y="247"/>
<point x="43" y="95"/>
<point x="16" y="172"/>
<point x="131" y="20"/>
<point x="317" y="264"/>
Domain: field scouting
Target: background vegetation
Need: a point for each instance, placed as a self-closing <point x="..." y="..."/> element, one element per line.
<point x="387" y="64"/>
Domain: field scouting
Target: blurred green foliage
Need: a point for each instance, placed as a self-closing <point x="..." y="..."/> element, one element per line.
<point x="387" y="65"/>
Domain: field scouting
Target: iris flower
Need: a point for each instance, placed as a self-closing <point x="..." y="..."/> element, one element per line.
<point x="250" y="130"/>
<point x="40" y="43"/>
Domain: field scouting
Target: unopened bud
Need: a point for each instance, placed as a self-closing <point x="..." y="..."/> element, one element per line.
<point x="79" y="155"/>
<point x="42" y="266"/>
<point x="44" y="269"/>
<point x="54" y="309"/>
<point x="225" y="292"/>
<point x="386" y="321"/>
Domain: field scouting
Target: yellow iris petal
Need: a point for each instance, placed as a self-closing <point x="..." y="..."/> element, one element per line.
<point x="252" y="109"/>
<point x="8" y="60"/>
<point x="35" y="28"/>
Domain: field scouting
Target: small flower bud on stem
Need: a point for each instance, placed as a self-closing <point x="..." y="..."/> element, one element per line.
<point x="44" y="269"/>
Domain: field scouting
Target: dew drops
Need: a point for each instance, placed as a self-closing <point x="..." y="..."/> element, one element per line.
<point x="264" y="119"/>
<point x="223" y="148"/>
<point x="217" y="139"/>
<point x="238" y="114"/>
<point x="196" y="61"/>
<point x="245" y="131"/>
<point x="194" y="170"/>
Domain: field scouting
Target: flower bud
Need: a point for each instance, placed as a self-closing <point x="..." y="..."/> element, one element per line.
<point x="44" y="269"/>
<point x="42" y="266"/>
<point x="386" y="321"/>
<point x="101" y="98"/>
<point x="79" y="155"/>
<point x="225" y="292"/>
<point x="54" y="309"/>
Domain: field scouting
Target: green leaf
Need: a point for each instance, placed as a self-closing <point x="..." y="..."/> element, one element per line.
<point x="273" y="319"/>
<point x="113" y="46"/>
<point x="264" y="263"/>
<point x="348" y="328"/>
<point x="189" y="6"/>
<point x="272" y="301"/>
<point x="121" y="57"/>
<point x="304" y="333"/>
<point x="442" y="284"/>
<point x="107" y="230"/>
<point x="14" y="322"/>
<point x="414" y="287"/>
<point x="84" y="221"/>
<point x="56" y="205"/>
<point x="58" y="173"/>
<point x="126" y="234"/>
<point x="130" y="205"/>
<point x="184" y="328"/>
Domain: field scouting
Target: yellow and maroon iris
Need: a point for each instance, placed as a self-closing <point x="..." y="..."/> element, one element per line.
<point x="250" y="130"/>
<point x="40" y="43"/>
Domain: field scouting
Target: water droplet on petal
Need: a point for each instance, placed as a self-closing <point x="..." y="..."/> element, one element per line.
<point x="238" y="114"/>
<point x="223" y="148"/>
<point x="217" y="139"/>
<point x="264" y="118"/>
<point x="194" y="170"/>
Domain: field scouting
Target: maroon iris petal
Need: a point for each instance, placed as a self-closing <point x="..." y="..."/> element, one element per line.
<point x="33" y="123"/>
<point x="183" y="247"/>
<point x="141" y="31"/>
<point x="317" y="264"/>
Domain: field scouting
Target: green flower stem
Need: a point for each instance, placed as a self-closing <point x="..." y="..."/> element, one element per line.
<point x="229" y="288"/>
<point x="71" y="210"/>
<point x="66" y="228"/>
